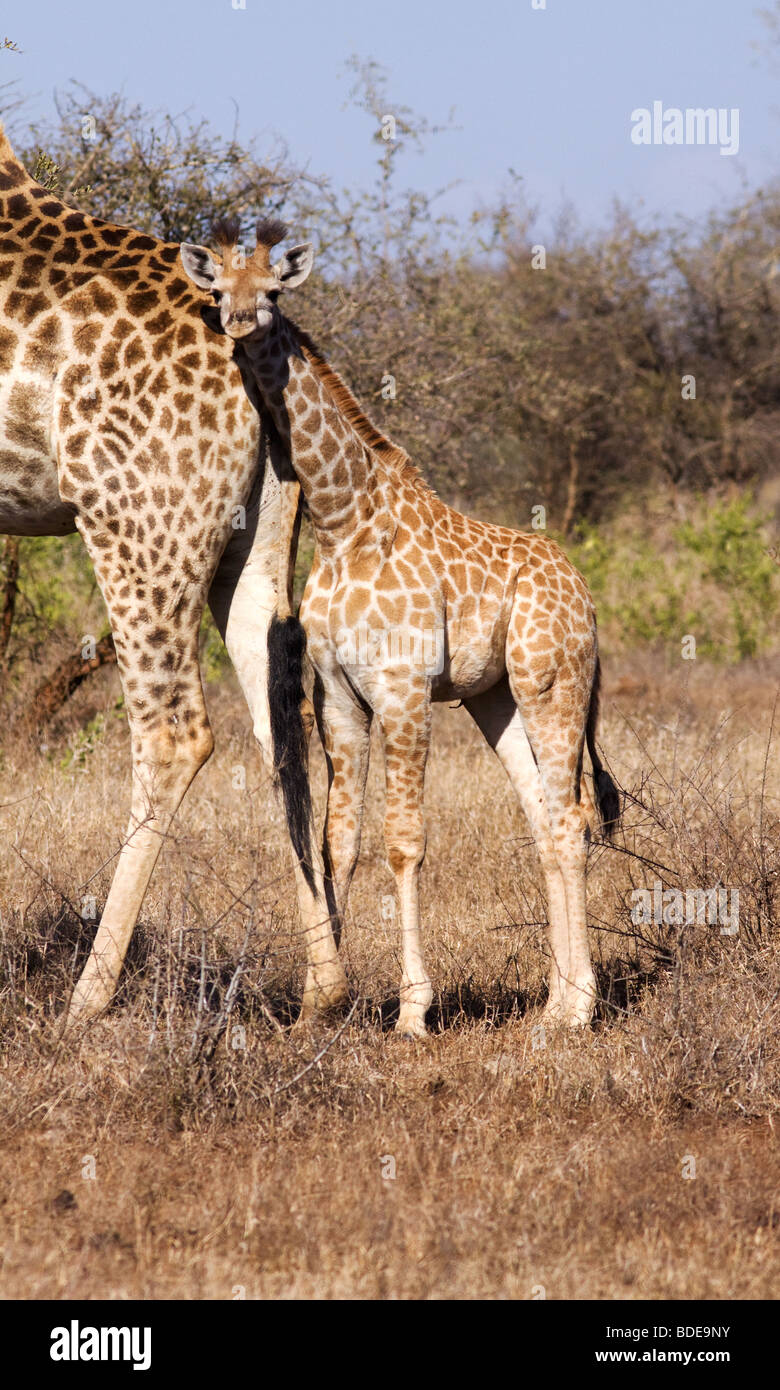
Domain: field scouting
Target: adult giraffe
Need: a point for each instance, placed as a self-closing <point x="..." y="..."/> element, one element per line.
<point x="125" y="417"/>
<point x="409" y="602"/>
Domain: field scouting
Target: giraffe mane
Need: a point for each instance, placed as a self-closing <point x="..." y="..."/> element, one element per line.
<point x="6" y="149"/>
<point x="346" y="404"/>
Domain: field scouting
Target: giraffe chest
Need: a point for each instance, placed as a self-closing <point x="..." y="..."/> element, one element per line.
<point x="30" y="502"/>
<point x="359" y="617"/>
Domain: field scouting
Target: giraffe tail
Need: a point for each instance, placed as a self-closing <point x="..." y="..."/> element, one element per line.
<point x="606" y="792"/>
<point x="289" y="735"/>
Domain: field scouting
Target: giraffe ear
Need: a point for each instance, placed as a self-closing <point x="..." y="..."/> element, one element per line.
<point x="199" y="265"/>
<point x="295" y="266"/>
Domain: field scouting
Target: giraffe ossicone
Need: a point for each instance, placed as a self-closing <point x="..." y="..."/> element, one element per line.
<point x="511" y="623"/>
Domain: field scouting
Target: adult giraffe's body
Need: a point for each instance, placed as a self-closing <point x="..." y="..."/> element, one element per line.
<point x="409" y="602"/>
<point x="125" y="417"/>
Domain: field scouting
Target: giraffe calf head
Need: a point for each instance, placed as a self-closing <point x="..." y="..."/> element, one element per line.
<point x="247" y="286"/>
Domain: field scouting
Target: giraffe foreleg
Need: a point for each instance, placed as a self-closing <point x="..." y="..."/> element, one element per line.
<point x="345" y="730"/>
<point x="166" y="757"/>
<point x="406" y="728"/>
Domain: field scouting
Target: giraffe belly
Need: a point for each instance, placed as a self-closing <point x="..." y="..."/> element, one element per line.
<point x="474" y="651"/>
<point x="468" y="673"/>
<point x="30" y="502"/>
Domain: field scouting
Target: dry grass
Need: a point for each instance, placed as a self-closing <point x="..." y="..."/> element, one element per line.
<point x="231" y="1152"/>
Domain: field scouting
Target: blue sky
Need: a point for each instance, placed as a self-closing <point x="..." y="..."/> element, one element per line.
<point x="547" y="92"/>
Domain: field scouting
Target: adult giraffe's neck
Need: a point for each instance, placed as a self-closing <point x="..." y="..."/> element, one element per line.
<point x="19" y="174"/>
<point x="336" y="468"/>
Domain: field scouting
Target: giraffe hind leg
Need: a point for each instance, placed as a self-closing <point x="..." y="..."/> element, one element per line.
<point x="554" y="719"/>
<point x="498" y="718"/>
<point x="345" y="730"/>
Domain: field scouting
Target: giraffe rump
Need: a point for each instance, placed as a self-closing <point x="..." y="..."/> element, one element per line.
<point x="605" y="790"/>
<point x="286" y="648"/>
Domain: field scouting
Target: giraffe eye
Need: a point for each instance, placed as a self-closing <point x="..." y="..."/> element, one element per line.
<point x="273" y="295"/>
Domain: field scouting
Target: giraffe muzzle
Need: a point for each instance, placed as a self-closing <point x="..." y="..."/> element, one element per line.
<point x="248" y="322"/>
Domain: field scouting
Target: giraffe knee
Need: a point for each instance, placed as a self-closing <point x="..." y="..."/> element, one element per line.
<point x="191" y="741"/>
<point x="176" y="751"/>
<point x="200" y="744"/>
<point x="547" y="855"/>
<point x="406" y="848"/>
<point x="570" y="832"/>
<point x="342" y="842"/>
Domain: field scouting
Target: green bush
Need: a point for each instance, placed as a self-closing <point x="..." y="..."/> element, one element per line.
<point x="731" y="549"/>
<point x="710" y="577"/>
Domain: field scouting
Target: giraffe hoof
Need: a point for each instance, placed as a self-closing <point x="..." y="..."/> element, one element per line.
<point x="80" y="1015"/>
<point x="579" y="1019"/>
<point x="76" y="1020"/>
<point x="89" y="1000"/>
<point x="572" y="1005"/>
<point x="580" y="1004"/>
<point x="411" y="1027"/>
<point x="573" y="1017"/>
<point x="553" y="1013"/>
<point x="324" y="993"/>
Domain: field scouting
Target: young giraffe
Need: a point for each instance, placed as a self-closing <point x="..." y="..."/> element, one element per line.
<point x="125" y="417"/>
<point x="409" y="602"/>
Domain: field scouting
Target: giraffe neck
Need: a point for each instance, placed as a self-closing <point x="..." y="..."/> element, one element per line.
<point x="341" y="476"/>
<point x="12" y="171"/>
<point x="6" y="151"/>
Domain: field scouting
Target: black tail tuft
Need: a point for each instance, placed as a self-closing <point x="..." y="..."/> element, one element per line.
<point x="286" y="648"/>
<point x="608" y="798"/>
<point x="606" y="792"/>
